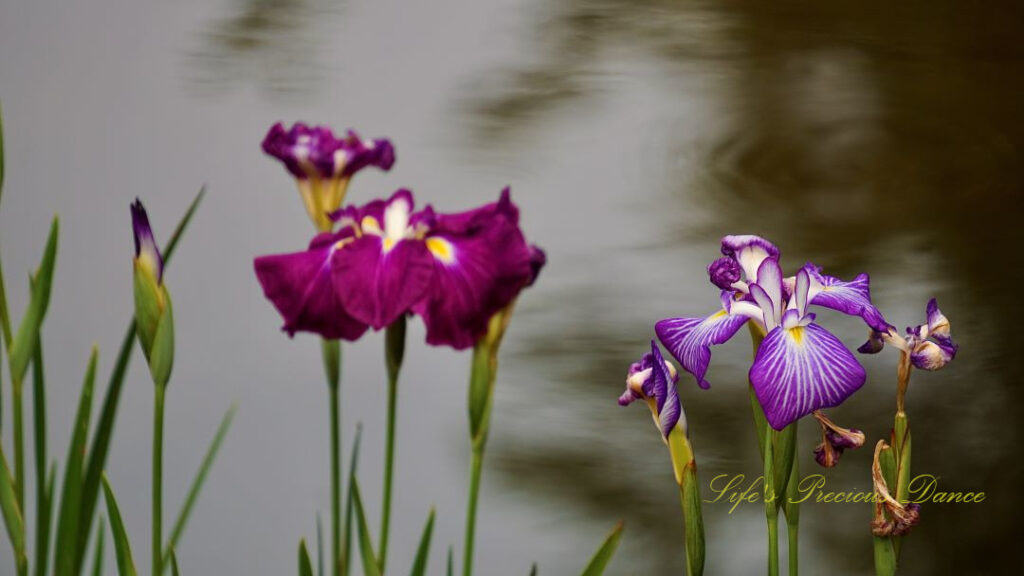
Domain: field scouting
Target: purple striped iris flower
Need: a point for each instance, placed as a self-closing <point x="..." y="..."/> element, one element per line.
<point x="800" y="367"/>
<point x="930" y="345"/>
<point x="386" y="260"/>
<point x="323" y="164"/>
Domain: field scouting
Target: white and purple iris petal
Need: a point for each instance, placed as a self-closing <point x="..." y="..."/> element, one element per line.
<point x="689" y="340"/>
<point x="853" y="297"/>
<point x="800" y="367"/>
<point x="749" y="251"/>
<point x="932" y="346"/>
<point x="652" y="378"/>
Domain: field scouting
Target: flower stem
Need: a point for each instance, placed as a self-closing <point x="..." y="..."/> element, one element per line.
<point x="331" y="351"/>
<point x="394" y="351"/>
<point x="474" y="492"/>
<point x="771" y="507"/>
<point x="158" y="449"/>
<point x="19" y="444"/>
<point x="685" y="467"/>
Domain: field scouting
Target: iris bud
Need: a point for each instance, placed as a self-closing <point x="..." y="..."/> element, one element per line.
<point x="154" y="320"/>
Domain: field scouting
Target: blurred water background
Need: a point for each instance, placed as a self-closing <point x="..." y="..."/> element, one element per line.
<point x="866" y="136"/>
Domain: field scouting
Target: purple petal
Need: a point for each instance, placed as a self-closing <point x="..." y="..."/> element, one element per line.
<point x="938" y="324"/>
<point x="538" y="259"/>
<point x="801" y="370"/>
<point x="482" y="262"/>
<point x="314" y="151"/>
<point x="689" y="340"/>
<point x="874" y="344"/>
<point x="929" y="355"/>
<point x="377" y="286"/>
<point x="749" y="251"/>
<point x="665" y="394"/>
<point x="769" y="278"/>
<point x="300" y="286"/>
<point x="853" y="297"/>
<point x="146" y="250"/>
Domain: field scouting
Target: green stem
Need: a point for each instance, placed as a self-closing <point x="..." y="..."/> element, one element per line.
<point x="885" y="557"/>
<point x="773" y="545"/>
<point x="474" y="492"/>
<point x="771" y="505"/>
<point x="394" y="351"/>
<point x="792" y="510"/>
<point x="685" y="468"/>
<point x="158" y="449"/>
<point x="335" y="481"/>
<point x="19" y="444"/>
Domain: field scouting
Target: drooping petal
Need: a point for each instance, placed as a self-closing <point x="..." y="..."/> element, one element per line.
<point x="358" y="154"/>
<point x="800" y="370"/>
<point x="749" y="251"/>
<point x="938" y="324"/>
<point x="928" y="355"/>
<point x="853" y="297"/>
<point x="301" y="287"/>
<point x="689" y="340"/>
<point x="378" y="284"/>
<point x="481" y="262"/>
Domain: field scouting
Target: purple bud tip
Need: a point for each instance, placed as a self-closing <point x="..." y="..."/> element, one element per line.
<point x="146" y="250"/>
<point x="724" y="272"/>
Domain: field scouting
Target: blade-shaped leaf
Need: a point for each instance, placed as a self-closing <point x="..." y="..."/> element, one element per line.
<point x="71" y="492"/>
<point x="43" y="523"/>
<point x="1" y="151"/>
<point x="11" y="512"/>
<point x="370" y="566"/>
<point x="174" y="563"/>
<point x="451" y="565"/>
<point x="122" y="548"/>
<point x="533" y="569"/>
<point x="419" y="566"/>
<point x="604" y="554"/>
<point x="346" y="550"/>
<point x="105" y="424"/>
<point x="305" y="566"/>
<point x="319" y="545"/>
<point x="22" y="348"/>
<point x="197" y="483"/>
<point x="43" y="494"/>
<point x="97" y="557"/>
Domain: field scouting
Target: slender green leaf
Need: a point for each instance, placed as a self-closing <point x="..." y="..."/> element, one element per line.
<point x="419" y="566"/>
<point x="370" y="566"/>
<point x="24" y="342"/>
<point x="174" y="564"/>
<point x="451" y="565"/>
<point x="122" y="547"/>
<point x="105" y="425"/>
<point x="319" y="545"/>
<point x="197" y="483"/>
<point x="43" y="493"/>
<point x="533" y="569"/>
<point x="97" y="557"/>
<point x="305" y="566"/>
<point x="71" y="493"/>
<point x="604" y="554"/>
<point x="11" y="511"/>
<point x="43" y="524"/>
<point x="346" y="551"/>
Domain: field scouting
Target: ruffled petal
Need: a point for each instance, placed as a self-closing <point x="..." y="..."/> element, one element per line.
<point x="301" y="287"/>
<point x="689" y="340"/>
<point x="481" y="262"/>
<point x="377" y="284"/>
<point x="853" y="297"/>
<point x="800" y="370"/>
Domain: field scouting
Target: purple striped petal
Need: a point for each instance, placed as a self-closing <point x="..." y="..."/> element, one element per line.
<point x="301" y="287"/>
<point x="376" y="284"/>
<point x="853" y="297"/>
<point x="689" y="340"/>
<point x="800" y="370"/>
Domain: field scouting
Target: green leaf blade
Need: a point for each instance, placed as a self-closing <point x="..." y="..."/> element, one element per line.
<point x="23" y="347"/>
<point x="122" y="547"/>
<point x="604" y="554"/>
<point x="370" y="566"/>
<point x="305" y="566"/>
<point x="419" y="566"/>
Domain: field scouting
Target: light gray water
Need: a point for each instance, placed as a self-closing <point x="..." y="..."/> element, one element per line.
<point x="874" y="138"/>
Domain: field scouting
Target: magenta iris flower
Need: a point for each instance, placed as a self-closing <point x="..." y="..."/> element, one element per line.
<point x="800" y="367"/>
<point x="386" y="260"/>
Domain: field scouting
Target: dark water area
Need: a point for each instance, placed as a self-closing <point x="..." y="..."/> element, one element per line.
<point x="866" y="137"/>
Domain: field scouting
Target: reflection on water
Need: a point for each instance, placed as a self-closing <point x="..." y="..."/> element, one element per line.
<point x="272" y="44"/>
<point x="868" y="137"/>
